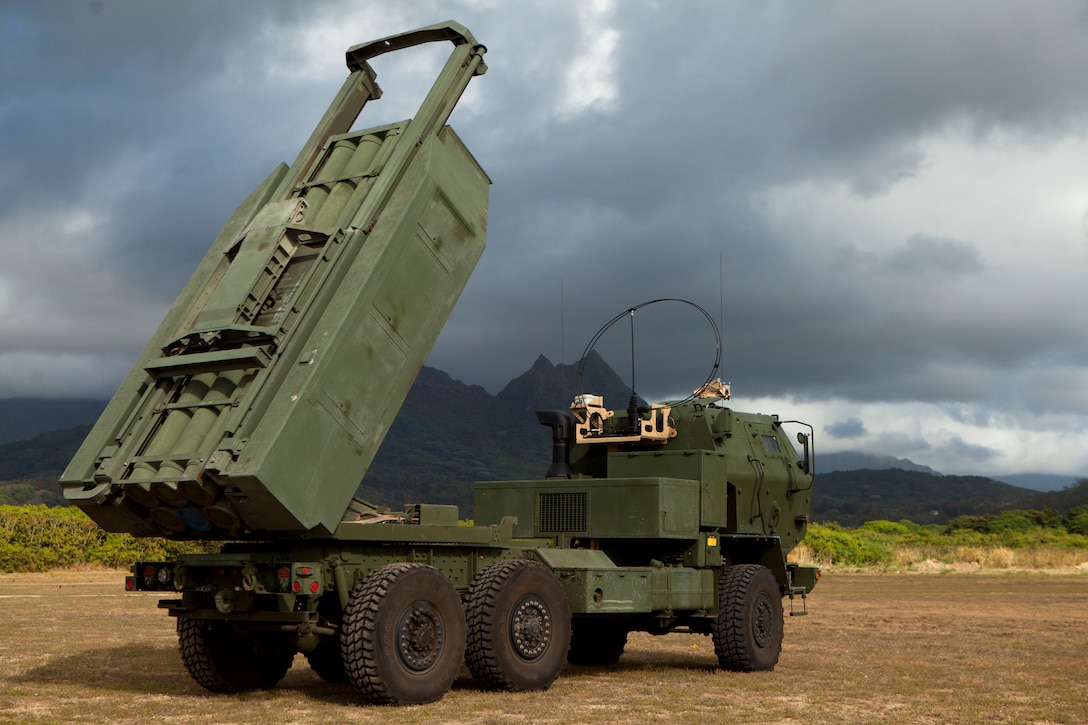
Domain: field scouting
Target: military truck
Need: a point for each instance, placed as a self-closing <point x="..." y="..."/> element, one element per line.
<point x="257" y="406"/>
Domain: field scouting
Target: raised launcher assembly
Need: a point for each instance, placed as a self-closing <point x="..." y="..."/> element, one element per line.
<point x="265" y="393"/>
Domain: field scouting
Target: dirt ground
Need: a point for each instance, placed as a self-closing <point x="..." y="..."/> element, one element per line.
<point x="894" y="648"/>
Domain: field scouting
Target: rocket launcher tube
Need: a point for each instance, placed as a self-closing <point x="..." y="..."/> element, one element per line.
<point x="266" y="392"/>
<point x="319" y="189"/>
<point x="355" y="173"/>
<point x="200" y="423"/>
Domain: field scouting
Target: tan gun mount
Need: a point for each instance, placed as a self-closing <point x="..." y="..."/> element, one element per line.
<point x="590" y="415"/>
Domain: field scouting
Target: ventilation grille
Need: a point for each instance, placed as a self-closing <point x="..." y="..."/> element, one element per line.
<point x="562" y="512"/>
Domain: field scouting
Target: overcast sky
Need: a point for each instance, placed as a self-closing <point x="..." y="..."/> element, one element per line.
<point x="886" y="204"/>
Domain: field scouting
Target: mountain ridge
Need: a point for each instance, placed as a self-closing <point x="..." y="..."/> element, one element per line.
<point x="449" y="434"/>
<point x="24" y="418"/>
<point x="857" y="460"/>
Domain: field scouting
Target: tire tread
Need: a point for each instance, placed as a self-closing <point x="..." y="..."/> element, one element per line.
<point x="731" y="628"/>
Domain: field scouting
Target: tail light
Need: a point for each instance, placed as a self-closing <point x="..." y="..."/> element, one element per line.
<point x="150" y="577"/>
<point x="283" y="578"/>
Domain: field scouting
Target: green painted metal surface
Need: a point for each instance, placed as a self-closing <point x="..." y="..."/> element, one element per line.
<point x="663" y="512"/>
<point x="265" y="393"/>
<point x="725" y="472"/>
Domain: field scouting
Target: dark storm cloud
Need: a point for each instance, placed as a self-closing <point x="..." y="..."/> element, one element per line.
<point x="852" y="428"/>
<point x="958" y="448"/>
<point x="107" y="107"/>
<point x="641" y="200"/>
<point x="923" y="254"/>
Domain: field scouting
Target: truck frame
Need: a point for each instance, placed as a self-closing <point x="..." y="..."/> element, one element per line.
<point x="259" y="403"/>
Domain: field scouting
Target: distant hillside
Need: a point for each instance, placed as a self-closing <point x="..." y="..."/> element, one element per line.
<point x="46" y="454"/>
<point x="23" y="418"/>
<point x="24" y="492"/>
<point x="855" y="460"/>
<point x="1038" y="481"/>
<point x="854" y="497"/>
<point x="29" y="469"/>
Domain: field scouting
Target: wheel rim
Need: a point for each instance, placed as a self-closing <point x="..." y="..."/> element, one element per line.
<point x="530" y="627"/>
<point x="420" y="636"/>
<point x="763" y="621"/>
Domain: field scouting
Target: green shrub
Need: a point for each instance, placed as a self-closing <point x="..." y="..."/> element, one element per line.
<point x="1010" y="521"/>
<point x="39" y="538"/>
<point x="833" y="544"/>
<point x="885" y="528"/>
<point x="1046" y="518"/>
<point x="1076" y="522"/>
<point x="970" y="523"/>
<point x="1007" y="523"/>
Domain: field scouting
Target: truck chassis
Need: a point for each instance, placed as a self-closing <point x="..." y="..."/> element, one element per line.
<point x="395" y="608"/>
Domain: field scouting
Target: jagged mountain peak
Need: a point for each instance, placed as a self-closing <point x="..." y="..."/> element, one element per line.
<point x="546" y="385"/>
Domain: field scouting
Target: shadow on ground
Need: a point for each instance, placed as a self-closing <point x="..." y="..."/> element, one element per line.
<point x="143" y="669"/>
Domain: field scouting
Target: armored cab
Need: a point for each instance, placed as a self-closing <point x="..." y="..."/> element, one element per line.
<point x="265" y="393"/>
<point x="671" y="517"/>
<point x="693" y="483"/>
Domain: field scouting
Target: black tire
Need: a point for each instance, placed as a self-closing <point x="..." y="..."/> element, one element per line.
<point x="518" y="626"/>
<point x="326" y="662"/>
<point x="596" y="643"/>
<point x="402" y="639"/>
<point x="223" y="659"/>
<point x="748" y="630"/>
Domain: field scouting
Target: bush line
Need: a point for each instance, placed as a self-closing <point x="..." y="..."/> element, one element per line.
<point x="40" y="538"/>
<point x="1014" y="539"/>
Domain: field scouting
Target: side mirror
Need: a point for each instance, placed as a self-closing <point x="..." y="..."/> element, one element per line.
<point x="802" y="438"/>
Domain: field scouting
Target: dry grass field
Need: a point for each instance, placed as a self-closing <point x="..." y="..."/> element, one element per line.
<point x="875" y="648"/>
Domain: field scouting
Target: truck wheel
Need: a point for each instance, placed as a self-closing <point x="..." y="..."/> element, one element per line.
<point x="595" y="643"/>
<point x="748" y="630"/>
<point x="326" y="662"/>
<point x="518" y="626"/>
<point x="222" y="659"/>
<point x="402" y="639"/>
